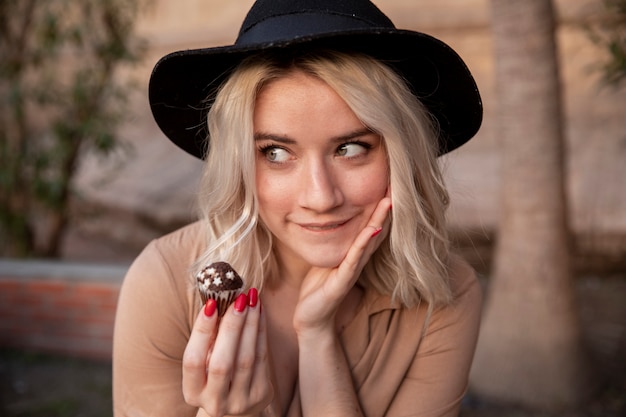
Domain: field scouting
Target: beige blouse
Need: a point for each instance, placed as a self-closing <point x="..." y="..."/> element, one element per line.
<point x="397" y="369"/>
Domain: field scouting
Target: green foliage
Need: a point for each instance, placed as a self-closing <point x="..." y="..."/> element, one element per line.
<point x="60" y="96"/>
<point x="610" y="33"/>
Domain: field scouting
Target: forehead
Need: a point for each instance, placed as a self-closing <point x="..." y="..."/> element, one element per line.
<point x="293" y="84"/>
<point x="301" y="98"/>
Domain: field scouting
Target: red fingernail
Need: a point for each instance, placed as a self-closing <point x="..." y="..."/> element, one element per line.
<point x="253" y="297"/>
<point x="210" y="307"/>
<point x="241" y="302"/>
<point x="377" y="231"/>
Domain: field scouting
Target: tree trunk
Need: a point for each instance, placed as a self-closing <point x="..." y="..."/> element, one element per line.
<point x="530" y="350"/>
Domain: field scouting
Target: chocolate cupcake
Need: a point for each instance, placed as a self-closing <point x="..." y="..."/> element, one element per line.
<point x="220" y="282"/>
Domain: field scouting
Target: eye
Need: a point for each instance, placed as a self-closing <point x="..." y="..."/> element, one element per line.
<point x="352" y="149"/>
<point x="274" y="153"/>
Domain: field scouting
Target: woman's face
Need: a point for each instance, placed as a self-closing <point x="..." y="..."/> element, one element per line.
<point x="319" y="172"/>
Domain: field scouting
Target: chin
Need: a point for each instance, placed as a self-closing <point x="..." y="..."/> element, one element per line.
<point x="329" y="264"/>
<point x="325" y="260"/>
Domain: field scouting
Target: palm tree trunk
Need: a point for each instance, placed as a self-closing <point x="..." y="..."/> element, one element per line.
<point x="530" y="348"/>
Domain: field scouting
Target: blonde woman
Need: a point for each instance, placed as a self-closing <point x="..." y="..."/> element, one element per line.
<point x="322" y="127"/>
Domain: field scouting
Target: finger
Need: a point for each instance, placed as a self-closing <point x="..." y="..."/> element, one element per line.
<point x="380" y="216"/>
<point x="220" y="367"/>
<point x="262" y="354"/>
<point x="358" y="254"/>
<point x="246" y="356"/>
<point x="361" y="249"/>
<point x="261" y="386"/>
<point x="197" y="350"/>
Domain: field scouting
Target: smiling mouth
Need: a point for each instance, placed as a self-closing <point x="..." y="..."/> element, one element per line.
<point x="322" y="227"/>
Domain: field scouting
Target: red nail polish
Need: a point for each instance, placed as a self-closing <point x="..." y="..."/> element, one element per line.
<point x="241" y="302"/>
<point x="253" y="297"/>
<point x="210" y="307"/>
<point x="377" y="231"/>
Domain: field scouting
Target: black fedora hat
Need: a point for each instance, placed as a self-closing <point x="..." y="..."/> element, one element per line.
<point x="182" y="81"/>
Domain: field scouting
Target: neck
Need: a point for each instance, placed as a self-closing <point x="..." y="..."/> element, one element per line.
<point x="284" y="292"/>
<point x="291" y="272"/>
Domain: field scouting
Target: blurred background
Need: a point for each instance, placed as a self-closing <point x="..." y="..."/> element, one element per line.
<point x="102" y="181"/>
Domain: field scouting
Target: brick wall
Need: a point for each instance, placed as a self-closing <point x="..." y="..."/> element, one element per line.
<point x="57" y="307"/>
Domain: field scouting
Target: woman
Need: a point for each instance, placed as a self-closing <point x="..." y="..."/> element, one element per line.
<point x="321" y="187"/>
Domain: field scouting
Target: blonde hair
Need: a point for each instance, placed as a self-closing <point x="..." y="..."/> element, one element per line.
<point x="411" y="263"/>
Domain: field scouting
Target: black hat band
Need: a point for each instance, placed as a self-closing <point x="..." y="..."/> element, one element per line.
<point x="298" y="25"/>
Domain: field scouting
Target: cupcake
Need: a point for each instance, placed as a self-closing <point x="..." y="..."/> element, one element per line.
<point x="220" y="282"/>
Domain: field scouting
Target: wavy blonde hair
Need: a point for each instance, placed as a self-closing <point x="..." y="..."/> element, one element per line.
<point x="411" y="263"/>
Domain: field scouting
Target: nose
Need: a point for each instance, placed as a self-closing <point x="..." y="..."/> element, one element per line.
<point x="319" y="189"/>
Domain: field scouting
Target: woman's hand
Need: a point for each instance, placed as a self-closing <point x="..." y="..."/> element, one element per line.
<point x="324" y="289"/>
<point x="226" y="368"/>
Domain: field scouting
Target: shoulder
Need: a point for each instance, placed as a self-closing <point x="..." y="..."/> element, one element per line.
<point x="466" y="289"/>
<point x="176" y="250"/>
<point x="165" y="263"/>
<point x="186" y="242"/>
<point x="462" y="280"/>
<point x="454" y="325"/>
<point x="457" y="323"/>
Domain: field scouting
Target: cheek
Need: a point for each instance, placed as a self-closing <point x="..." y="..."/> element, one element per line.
<point x="272" y="193"/>
<point x="369" y="187"/>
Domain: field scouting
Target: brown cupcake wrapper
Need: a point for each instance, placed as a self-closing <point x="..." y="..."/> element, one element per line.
<point x="223" y="299"/>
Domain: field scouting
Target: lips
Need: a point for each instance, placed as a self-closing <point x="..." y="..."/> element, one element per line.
<point x="322" y="227"/>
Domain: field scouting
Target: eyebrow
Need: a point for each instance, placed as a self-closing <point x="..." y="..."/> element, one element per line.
<point x="276" y="138"/>
<point x="289" y="141"/>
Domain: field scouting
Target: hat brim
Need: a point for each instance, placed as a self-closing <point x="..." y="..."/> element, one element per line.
<point x="182" y="81"/>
